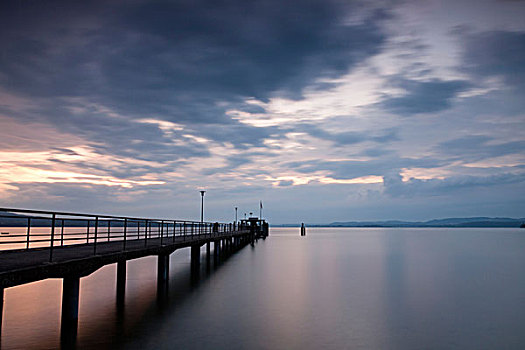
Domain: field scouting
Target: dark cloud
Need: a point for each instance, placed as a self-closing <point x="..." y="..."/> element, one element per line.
<point x="423" y="96"/>
<point x="180" y="61"/>
<point x="395" y="186"/>
<point x="178" y="58"/>
<point x="478" y="147"/>
<point x="233" y="163"/>
<point x="348" y="137"/>
<point x="346" y="169"/>
<point x="285" y="183"/>
<point x="495" y="54"/>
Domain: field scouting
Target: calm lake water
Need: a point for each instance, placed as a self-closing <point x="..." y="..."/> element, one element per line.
<point x="336" y="288"/>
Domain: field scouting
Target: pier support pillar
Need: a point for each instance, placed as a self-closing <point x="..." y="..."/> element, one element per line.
<point x="216" y="250"/>
<point x="163" y="273"/>
<point x="69" y="320"/>
<point x="208" y="248"/>
<point x="195" y="256"/>
<point x="163" y="269"/>
<point x="121" y="283"/>
<point x="1" y="308"/>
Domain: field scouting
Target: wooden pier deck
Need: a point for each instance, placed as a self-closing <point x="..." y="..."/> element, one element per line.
<point x="23" y="266"/>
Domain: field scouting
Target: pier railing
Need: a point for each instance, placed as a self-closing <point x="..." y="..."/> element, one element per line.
<point x="22" y="229"/>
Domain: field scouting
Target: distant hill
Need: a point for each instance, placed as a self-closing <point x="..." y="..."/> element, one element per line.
<point x="448" y="222"/>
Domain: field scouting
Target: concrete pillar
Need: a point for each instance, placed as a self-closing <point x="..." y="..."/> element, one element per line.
<point x="208" y="250"/>
<point x="216" y="250"/>
<point x="69" y="320"/>
<point x="1" y="308"/>
<point x="195" y="256"/>
<point x="163" y="268"/>
<point x="163" y="273"/>
<point x="121" y="283"/>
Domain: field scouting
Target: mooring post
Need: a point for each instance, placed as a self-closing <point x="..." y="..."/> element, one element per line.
<point x="69" y="320"/>
<point x="121" y="283"/>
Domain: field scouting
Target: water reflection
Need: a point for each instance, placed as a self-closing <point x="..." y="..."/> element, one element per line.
<point x="333" y="289"/>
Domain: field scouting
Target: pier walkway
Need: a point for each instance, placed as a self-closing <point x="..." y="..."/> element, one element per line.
<point x="36" y="245"/>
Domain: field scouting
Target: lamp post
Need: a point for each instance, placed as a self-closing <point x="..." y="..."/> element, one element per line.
<point x="235" y="214"/>
<point x="202" y="205"/>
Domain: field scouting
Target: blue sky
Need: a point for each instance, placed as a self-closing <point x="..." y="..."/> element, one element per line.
<point x="324" y="110"/>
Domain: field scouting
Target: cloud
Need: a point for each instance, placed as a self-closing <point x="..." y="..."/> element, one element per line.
<point x="144" y="102"/>
<point x="497" y="54"/>
<point x="350" y="169"/>
<point x="421" y="97"/>
<point x="395" y="186"/>
<point x="187" y="55"/>
<point x="478" y="147"/>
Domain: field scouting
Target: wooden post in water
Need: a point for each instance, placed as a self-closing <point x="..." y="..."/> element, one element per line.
<point x="303" y="229"/>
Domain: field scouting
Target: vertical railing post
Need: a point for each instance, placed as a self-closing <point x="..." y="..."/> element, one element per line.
<point x="174" y="227"/>
<point x="28" y="232"/>
<point x="161" y="231"/>
<point x="87" y="240"/>
<point x="52" y="237"/>
<point x="96" y="233"/>
<point x="146" y="234"/>
<point x="138" y="229"/>
<point x="109" y="229"/>
<point x="62" y="234"/>
<point x="125" y="231"/>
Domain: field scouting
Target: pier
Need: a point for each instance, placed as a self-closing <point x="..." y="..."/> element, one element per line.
<point x="35" y="245"/>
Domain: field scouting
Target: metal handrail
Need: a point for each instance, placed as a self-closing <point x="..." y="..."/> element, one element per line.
<point x="58" y="229"/>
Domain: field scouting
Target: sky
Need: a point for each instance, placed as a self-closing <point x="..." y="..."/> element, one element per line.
<point x="323" y="110"/>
